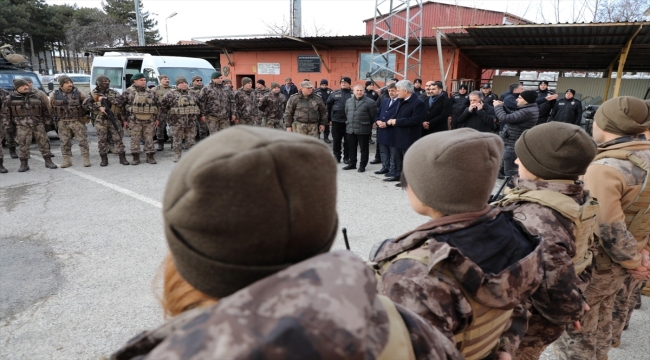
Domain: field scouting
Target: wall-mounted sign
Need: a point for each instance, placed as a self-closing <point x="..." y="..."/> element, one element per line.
<point x="268" y="68"/>
<point x="308" y="63"/>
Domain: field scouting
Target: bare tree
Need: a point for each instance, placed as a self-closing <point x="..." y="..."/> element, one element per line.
<point x="284" y="28"/>
<point x="622" y="10"/>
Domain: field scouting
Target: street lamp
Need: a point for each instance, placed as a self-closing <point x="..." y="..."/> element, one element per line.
<point x="166" y="28"/>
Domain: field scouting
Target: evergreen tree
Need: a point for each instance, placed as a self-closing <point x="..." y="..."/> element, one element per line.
<point x="123" y="12"/>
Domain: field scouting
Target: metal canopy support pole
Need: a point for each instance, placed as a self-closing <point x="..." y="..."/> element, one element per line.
<point x="443" y="76"/>
<point x="621" y="62"/>
<point x="389" y="42"/>
<point x="138" y="19"/>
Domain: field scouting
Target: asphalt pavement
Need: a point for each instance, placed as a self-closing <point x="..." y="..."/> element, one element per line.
<point x="80" y="249"/>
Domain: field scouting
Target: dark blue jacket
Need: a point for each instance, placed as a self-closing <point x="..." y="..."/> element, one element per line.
<point x="385" y="113"/>
<point x="410" y="116"/>
<point x="292" y="90"/>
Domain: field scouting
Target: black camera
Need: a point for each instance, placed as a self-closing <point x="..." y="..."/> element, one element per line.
<point x="590" y="111"/>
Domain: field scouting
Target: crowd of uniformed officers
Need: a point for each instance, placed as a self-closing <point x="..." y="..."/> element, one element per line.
<point x="562" y="258"/>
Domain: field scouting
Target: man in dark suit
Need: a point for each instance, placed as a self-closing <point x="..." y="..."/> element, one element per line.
<point x="288" y="88"/>
<point x="438" y="106"/>
<point x="385" y="133"/>
<point x="407" y="124"/>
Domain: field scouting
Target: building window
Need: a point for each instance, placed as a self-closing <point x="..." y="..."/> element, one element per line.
<point x="364" y="67"/>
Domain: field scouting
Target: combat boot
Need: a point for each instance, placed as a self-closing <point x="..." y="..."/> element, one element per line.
<point x="161" y="144"/>
<point x="24" y="166"/>
<point x="12" y="152"/>
<point x="2" y="168"/>
<point x="122" y="156"/>
<point x="86" y="158"/>
<point x="104" y="158"/>
<point x="48" y="162"/>
<point x="177" y="156"/>
<point x="136" y="159"/>
<point x="66" y="162"/>
<point x="150" y="158"/>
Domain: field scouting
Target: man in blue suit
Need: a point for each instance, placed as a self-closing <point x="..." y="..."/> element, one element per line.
<point x="407" y="124"/>
<point x="387" y="111"/>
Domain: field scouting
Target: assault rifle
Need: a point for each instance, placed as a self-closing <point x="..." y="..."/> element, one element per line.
<point x="111" y="115"/>
<point x="498" y="196"/>
<point x="345" y="237"/>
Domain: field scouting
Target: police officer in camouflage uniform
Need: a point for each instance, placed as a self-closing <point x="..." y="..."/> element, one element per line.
<point x="555" y="205"/>
<point x="305" y="112"/>
<point x="447" y="270"/>
<point x="196" y="87"/>
<point x="24" y="114"/>
<point x="3" y="96"/>
<point x="218" y="103"/>
<point x="49" y="125"/>
<point x="183" y="110"/>
<point x="260" y="91"/>
<point x="161" y="129"/>
<point x="618" y="178"/>
<point x="245" y="105"/>
<point x="324" y="92"/>
<point x="272" y="107"/>
<point x="141" y="105"/>
<point x="71" y="120"/>
<point x="306" y="304"/>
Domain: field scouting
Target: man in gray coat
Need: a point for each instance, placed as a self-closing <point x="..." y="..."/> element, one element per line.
<point x="360" y="111"/>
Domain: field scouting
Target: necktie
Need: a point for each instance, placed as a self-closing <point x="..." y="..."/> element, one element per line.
<point x="391" y="103"/>
<point x="430" y="101"/>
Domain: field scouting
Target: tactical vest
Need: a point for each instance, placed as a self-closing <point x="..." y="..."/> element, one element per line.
<point x="161" y="91"/>
<point x="637" y="215"/>
<point x="110" y="95"/>
<point x="186" y="105"/>
<point x="399" y="344"/>
<point x="583" y="217"/>
<point x="27" y="106"/>
<point x="65" y="108"/>
<point x="482" y="336"/>
<point x="143" y="106"/>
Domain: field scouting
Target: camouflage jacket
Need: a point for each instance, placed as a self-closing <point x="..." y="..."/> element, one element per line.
<point x="129" y="110"/>
<point x="245" y="105"/>
<point x="92" y="103"/>
<point x="171" y="100"/>
<point x="196" y="89"/>
<point x="559" y="299"/>
<point x="272" y="106"/>
<point x="322" y="308"/>
<point x="160" y="92"/>
<point x="616" y="184"/>
<point x="443" y="301"/>
<point x="24" y="109"/>
<point x="64" y="107"/>
<point x="258" y="95"/>
<point x="217" y="101"/>
<point x="305" y="109"/>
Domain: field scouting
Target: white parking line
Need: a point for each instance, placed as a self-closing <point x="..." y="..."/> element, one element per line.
<point x="99" y="181"/>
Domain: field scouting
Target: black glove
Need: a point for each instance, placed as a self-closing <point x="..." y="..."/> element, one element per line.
<point x="48" y="128"/>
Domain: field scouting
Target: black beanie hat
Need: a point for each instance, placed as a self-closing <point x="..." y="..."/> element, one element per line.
<point x="346" y="79"/>
<point x="529" y="95"/>
<point x="260" y="81"/>
<point x="417" y="81"/>
<point x="324" y="82"/>
<point x="544" y="150"/>
<point x="571" y="91"/>
<point x="543" y="82"/>
<point x="240" y="207"/>
<point x="368" y="83"/>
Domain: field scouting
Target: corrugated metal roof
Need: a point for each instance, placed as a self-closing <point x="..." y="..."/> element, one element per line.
<point x="590" y="46"/>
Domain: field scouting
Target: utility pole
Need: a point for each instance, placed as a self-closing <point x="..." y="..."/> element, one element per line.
<point x="138" y="19"/>
<point x="296" y="18"/>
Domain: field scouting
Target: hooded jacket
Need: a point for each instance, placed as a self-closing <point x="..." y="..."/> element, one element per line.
<point x="322" y="308"/>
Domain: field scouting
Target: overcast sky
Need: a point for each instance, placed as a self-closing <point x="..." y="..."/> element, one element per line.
<point x="204" y="18"/>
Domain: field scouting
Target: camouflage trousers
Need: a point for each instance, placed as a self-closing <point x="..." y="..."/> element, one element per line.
<point x="215" y="125"/>
<point x="10" y="139"/>
<point x="273" y="123"/>
<point x="140" y="131"/>
<point x="24" y="136"/>
<point x="2" y="137"/>
<point x="305" y="129"/>
<point x="69" y="128"/>
<point x="646" y="290"/>
<point x="178" y="133"/>
<point x="624" y="306"/>
<point x="161" y="129"/>
<point x="103" y="138"/>
<point x="539" y="335"/>
<point x="249" y="122"/>
<point x="594" y="340"/>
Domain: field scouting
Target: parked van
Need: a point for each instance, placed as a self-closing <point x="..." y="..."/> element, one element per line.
<point x="120" y="67"/>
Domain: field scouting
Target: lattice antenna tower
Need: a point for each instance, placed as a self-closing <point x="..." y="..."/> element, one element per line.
<point x="295" y="18"/>
<point x="397" y="30"/>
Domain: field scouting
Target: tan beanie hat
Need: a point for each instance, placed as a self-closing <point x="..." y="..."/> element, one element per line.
<point x="454" y="171"/>
<point x="556" y="150"/>
<point x="623" y="115"/>
<point x="246" y="203"/>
